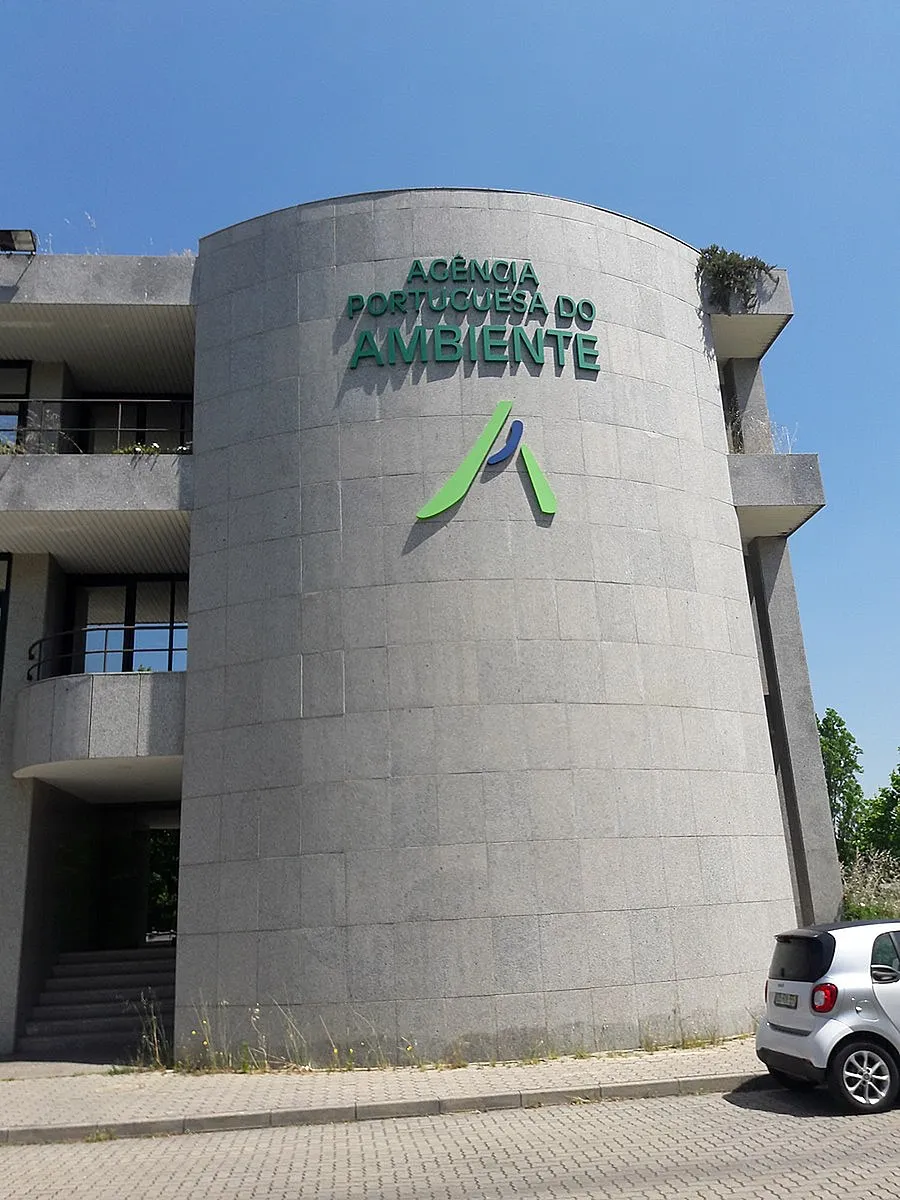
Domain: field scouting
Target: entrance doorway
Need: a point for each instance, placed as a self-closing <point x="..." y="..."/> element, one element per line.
<point x="98" y="964"/>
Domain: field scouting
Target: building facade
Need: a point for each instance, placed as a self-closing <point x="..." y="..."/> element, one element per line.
<point x="422" y="558"/>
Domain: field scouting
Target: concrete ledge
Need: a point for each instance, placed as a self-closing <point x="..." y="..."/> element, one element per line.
<point x="473" y="1103"/>
<point x="221" y="1123"/>
<point x="560" y="1096"/>
<point x="775" y="493"/>
<point x="642" y="1090"/>
<point x="135" y="281"/>
<point x="378" y="1111"/>
<point x="98" y="513"/>
<point x="90" y="483"/>
<point x="383" y="1110"/>
<point x="313" y="1116"/>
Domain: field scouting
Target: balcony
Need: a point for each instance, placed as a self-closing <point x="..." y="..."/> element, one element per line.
<point x="774" y="494"/>
<point x="748" y="333"/>
<point x="102" y="512"/>
<point x="121" y="324"/>
<point x="103" y="738"/>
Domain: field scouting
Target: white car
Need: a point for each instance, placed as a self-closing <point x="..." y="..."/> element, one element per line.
<point x="833" y="1011"/>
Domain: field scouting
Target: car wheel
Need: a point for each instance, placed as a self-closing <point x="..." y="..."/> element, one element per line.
<point x="864" y="1077"/>
<point x="794" y="1082"/>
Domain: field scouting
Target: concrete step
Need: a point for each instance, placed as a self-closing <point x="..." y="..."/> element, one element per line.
<point x="141" y="953"/>
<point x="128" y="1025"/>
<point x="159" y="993"/>
<point x="132" y="981"/>
<point x="118" y="966"/>
<point x="84" y="1047"/>
<point x="97" y="1011"/>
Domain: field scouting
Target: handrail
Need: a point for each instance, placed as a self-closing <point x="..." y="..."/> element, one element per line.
<point x="34" y="439"/>
<point x="113" y="420"/>
<point x="58" y="653"/>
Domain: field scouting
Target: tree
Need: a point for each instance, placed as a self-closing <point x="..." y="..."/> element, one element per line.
<point x="840" y="757"/>
<point x="883" y="820"/>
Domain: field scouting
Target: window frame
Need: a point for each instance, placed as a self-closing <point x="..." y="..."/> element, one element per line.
<point x="130" y="583"/>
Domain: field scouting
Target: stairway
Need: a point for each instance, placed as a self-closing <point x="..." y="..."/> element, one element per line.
<point x="91" y="1009"/>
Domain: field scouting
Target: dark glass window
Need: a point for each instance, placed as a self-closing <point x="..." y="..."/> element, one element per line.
<point x="884" y="952"/>
<point x="802" y="957"/>
<point x="14" y="380"/>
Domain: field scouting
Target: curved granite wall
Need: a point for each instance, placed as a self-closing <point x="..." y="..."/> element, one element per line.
<point x="497" y="780"/>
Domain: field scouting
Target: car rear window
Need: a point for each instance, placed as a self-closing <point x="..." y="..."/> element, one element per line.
<point x="804" y="957"/>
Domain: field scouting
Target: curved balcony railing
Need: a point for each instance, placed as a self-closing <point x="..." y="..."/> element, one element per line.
<point x="109" y="649"/>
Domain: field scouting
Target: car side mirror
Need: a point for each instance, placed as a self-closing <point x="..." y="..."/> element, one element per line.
<point x="881" y="974"/>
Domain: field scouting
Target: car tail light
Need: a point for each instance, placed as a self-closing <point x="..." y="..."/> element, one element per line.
<point x="766" y="994"/>
<point x="824" y="997"/>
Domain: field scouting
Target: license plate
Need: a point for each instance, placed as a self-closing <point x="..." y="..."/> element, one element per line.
<point x="785" y="1000"/>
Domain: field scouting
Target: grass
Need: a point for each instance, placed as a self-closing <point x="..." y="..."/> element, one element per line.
<point x="101" y="1135"/>
<point x="232" y="1039"/>
<point x="872" y="886"/>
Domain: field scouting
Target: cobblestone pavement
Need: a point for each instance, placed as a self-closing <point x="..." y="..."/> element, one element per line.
<point x="747" y="1145"/>
<point x="30" y="1099"/>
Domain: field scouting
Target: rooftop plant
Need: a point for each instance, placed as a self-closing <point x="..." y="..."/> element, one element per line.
<point x="725" y="273"/>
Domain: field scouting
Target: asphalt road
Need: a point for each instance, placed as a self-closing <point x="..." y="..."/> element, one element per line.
<point x="756" y="1144"/>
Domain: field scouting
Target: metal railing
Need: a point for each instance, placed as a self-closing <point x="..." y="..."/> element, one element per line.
<point x="109" y="649"/>
<point x="111" y="428"/>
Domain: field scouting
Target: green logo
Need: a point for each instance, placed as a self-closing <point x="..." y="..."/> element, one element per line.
<point x="464" y="475"/>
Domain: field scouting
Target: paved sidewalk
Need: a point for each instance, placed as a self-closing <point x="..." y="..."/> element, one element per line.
<point x="42" y="1102"/>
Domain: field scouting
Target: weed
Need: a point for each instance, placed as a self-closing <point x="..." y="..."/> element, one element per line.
<point x="154" y="1052"/>
<point x="453" y="1058"/>
<point x="100" y="1135"/>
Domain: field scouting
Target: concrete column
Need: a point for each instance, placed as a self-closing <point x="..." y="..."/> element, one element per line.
<point x="795" y="738"/>
<point x="28" y="586"/>
<point x="745" y="397"/>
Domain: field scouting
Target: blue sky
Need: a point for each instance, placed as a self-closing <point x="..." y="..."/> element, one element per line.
<point x="770" y="128"/>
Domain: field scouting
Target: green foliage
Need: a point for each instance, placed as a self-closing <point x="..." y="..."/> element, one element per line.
<point x="840" y="757"/>
<point x="138" y="449"/>
<point x="163" y="898"/>
<point x="726" y="274"/>
<point x="866" y="830"/>
<point x="882" y="825"/>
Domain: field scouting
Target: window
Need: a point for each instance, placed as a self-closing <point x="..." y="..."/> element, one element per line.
<point x="884" y="952"/>
<point x="801" y="957"/>
<point x="14" y="378"/>
<point x="130" y="625"/>
<point x="115" y="424"/>
<point x="9" y="422"/>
